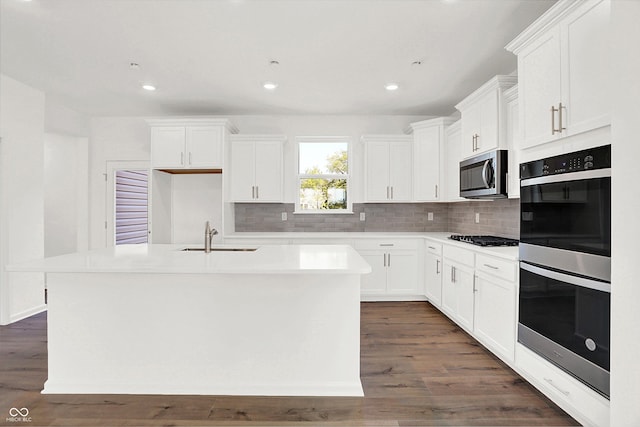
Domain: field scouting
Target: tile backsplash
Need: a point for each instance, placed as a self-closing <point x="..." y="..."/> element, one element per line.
<point x="499" y="217"/>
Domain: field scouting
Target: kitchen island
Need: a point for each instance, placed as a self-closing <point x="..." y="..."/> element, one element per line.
<point x="154" y="319"/>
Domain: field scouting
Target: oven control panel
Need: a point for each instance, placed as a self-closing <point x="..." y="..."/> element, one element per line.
<point x="593" y="158"/>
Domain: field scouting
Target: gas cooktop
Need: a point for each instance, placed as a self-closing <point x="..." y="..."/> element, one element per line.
<point x="485" y="240"/>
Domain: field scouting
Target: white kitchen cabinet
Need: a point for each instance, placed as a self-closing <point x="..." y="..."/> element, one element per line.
<point x="495" y="286"/>
<point x="256" y="168"/>
<point x="513" y="142"/>
<point x="483" y="121"/>
<point x="396" y="269"/>
<point x="433" y="273"/>
<point x="429" y="158"/>
<point x="453" y="145"/>
<point x="388" y="171"/>
<point x="189" y="143"/>
<point x="564" y="72"/>
<point x="458" y="285"/>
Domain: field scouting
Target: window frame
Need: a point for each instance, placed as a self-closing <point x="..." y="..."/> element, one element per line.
<point x="300" y="176"/>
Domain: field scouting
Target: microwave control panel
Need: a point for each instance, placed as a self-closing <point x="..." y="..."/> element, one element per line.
<point x="593" y="158"/>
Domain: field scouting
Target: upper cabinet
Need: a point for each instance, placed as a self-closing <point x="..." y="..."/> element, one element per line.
<point x="513" y="142"/>
<point x="483" y="123"/>
<point x="388" y="171"/>
<point x="256" y="168"/>
<point x="453" y="145"/>
<point x="563" y="72"/>
<point x="188" y="144"/>
<point x="429" y="159"/>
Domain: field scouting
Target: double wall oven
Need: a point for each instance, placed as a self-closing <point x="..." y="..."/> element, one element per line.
<point x="565" y="262"/>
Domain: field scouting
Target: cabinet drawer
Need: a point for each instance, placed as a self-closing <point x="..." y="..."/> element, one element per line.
<point x="433" y="247"/>
<point x="459" y="255"/>
<point x="496" y="267"/>
<point x="578" y="400"/>
<point x="386" y="244"/>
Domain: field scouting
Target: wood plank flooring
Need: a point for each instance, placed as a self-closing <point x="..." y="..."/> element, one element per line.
<point x="417" y="369"/>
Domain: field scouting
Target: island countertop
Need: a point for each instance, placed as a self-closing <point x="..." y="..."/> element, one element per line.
<point x="171" y="259"/>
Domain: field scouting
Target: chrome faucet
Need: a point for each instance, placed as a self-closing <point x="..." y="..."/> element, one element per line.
<point x="208" y="236"/>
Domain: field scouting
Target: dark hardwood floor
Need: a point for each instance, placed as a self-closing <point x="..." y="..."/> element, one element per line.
<point x="417" y="368"/>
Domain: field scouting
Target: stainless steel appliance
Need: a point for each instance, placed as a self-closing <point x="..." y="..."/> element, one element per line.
<point x="485" y="240"/>
<point x="565" y="262"/>
<point x="484" y="176"/>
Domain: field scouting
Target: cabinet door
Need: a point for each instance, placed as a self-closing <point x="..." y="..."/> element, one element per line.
<point x="242" y="172"/>
<point x="471" y="127"/>
<point x="204" y="147"/>
<point x="453" y="157"/>
<point x="433" y="279"/>
<point x="585" y="67"/>
<point x="400" y="171"/>
<point x="427" y="152"/>
<point x="496" y="328"/>
<point x="402" y="273"/>
<point x="167" y="147"/>
<point x="464" y="284"/>
<point x="449" y="293"/>
<point x="377" y="172"/>
<point x="539" y="88"/>
<point x="268" y="171"/>
<point x="374" y="283"/>
<point x="488" y="136"/>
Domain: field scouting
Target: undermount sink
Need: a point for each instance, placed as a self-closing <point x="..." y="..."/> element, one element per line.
<point x="220" y="249"/>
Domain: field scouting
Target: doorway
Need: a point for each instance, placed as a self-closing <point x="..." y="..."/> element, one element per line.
<point x="127" y="203"/>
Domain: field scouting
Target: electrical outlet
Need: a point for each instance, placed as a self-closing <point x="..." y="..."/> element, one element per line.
<point x="429" y="216"/>
<point x="477" y="218"/>
<point x="284" y="216"/>
<point x="361" y="216"/>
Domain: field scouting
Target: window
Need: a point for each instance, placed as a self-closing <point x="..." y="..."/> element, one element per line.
<point x="323" y="175"/>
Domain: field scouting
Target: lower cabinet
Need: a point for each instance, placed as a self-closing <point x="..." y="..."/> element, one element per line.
<point x="433" y="273"/>
<point x="458" y="293"/>
<point x="495" y="315"/>
<point x="395" y="269"/>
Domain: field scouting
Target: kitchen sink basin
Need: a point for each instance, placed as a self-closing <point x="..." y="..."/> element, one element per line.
<point x="220" y="249"/>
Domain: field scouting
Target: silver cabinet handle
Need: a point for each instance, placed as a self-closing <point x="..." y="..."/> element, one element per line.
<point x="552" y="384"/>
<point x="453" y="274"/>
<point x="437" y="266"/>
<point x="386" y="244"/>
<point x="384" y="258"/>
<point x="257" y="191"/>
<point x="432" y="247"/>
<point x="436" y="190"/>
<point x="493" y="267"/>
<point x="253" y="192"/>
<point x="392" y="192"/>
<point x="553" y="120"/>
<point x="560" y="107"/>
<point x="388" y="260"/>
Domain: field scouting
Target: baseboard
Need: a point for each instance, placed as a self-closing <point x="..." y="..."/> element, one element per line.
<point x="27" y="313"/>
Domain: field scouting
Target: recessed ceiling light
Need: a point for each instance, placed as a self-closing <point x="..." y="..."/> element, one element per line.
<point x="391" y="86"/>
<point x="149" y="87"/>
<point x="270" y="85"/>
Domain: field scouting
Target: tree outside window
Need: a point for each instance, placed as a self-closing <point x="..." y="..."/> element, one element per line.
<point x="323" y="171"/>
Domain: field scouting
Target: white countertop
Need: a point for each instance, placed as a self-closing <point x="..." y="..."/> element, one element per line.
<point x="507" y="252"/>
<point x="170" y="259"/>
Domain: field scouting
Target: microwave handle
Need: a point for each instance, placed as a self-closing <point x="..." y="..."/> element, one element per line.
<point x="484" y="173"/>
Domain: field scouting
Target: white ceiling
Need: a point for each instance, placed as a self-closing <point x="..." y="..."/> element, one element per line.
<point x="212" y="56"/>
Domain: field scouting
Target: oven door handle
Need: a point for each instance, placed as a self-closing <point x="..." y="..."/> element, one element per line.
<point x="566" y="177"/>
<point x="567" y="278"/>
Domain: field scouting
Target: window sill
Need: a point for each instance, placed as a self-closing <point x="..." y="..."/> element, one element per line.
<point x="324" y="212"/>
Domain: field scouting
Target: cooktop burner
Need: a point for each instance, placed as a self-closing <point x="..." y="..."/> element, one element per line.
<point x="485" y="240"/>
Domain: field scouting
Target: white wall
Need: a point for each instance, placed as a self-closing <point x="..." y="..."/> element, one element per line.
<point x="127" y="138"/>
<point x="21" y="197"/>
<point x="196" y="199"/>
<point x="625" y="286"/>
<point x="66" y="191"/>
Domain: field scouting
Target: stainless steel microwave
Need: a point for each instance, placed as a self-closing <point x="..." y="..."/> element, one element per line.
<point x="484" y="176"/>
